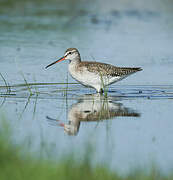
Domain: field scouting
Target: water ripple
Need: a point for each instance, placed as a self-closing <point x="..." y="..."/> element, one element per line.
<point x="73" y="90"/>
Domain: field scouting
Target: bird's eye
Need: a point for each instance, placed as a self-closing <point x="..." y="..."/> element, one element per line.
<point x="70" y="53"/>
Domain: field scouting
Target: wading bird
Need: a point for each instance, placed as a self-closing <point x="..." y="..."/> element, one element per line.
<point x="94" y="74"/>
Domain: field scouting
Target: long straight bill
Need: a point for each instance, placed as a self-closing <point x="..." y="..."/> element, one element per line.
<point x="59" y="60"/>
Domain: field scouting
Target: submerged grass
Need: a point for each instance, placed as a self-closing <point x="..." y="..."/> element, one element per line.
<point x="16" y="166"/>
<point x="6" y="84"/>
<point x="27" y="85"/>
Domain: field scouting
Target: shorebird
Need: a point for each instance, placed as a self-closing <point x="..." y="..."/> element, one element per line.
<point x="94" y="74"/>
<point x="90" y="108"/>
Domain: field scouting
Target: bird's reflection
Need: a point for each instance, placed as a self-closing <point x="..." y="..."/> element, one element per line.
<point x="93" y="108"/>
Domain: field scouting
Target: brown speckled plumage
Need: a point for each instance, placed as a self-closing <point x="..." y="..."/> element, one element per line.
<point x="94" y="74"/>
<point x="105" y="114"/>
<point x="72" y="49"/>
<point x="107" y="69"/>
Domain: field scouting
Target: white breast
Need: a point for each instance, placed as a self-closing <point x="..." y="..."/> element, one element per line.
<point x="90" y="78"/>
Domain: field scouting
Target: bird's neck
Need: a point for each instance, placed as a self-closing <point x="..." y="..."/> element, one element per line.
<point x="77" y="60"/>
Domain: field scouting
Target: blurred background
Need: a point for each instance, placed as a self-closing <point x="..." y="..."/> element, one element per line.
<point x="138" y="33"/>
<point x="123" y="33"/>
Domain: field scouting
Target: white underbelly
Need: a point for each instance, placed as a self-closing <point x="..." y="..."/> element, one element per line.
<point x="92" y="79"/>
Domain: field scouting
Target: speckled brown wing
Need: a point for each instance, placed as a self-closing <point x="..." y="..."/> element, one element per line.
<point x="108" y="70"/>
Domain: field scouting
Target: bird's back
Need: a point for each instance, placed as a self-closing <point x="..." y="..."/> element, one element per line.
<point x="107" y="69"/>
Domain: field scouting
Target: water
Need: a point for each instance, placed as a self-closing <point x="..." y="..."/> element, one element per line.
<point x="130" y="128"/>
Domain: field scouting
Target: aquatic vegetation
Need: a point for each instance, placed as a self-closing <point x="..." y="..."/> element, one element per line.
<point x="34" y="32"/>
<point x="16" y="166"/>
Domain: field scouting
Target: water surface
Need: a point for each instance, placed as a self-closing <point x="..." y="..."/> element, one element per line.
<point x="52" y="115"/>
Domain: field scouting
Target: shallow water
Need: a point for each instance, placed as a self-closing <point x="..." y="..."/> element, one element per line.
<point x="132" y="126"/>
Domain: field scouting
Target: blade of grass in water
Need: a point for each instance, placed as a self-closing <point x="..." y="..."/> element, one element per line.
<point x="6" y="84"/>
<point x="29" y="89"/>
<point x="36" y="84"/>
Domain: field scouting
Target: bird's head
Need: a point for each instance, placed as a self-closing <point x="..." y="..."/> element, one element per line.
<point x="71" y="54"/>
